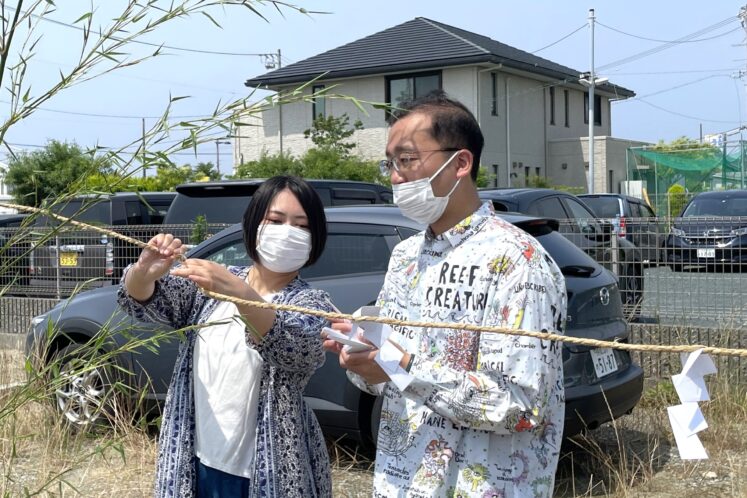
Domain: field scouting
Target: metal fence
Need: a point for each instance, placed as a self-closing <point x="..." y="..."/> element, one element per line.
<point x="57" y="262"/>
<point x="681" y="279"/>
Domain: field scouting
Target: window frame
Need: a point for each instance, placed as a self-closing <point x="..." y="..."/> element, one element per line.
<point x="318" y="101"/>
<point x="401" y="76"/>
<point x="597" y="111"/>
<point x="552" y="105"/>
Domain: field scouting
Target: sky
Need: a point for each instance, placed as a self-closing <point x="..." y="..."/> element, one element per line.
<point x="698" y="82"/>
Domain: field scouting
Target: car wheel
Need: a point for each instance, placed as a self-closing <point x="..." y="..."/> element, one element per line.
<point x="83" y="393"/>
<point x="631" y="288"/>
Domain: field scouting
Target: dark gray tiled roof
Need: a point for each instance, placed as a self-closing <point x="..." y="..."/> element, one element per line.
<point x="418" y="44"/>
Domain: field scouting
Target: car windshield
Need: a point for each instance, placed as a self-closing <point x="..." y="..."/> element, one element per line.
<point x="710" y="206"/>
<point x="604" y="207"/>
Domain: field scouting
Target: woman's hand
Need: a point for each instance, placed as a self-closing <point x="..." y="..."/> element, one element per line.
<point x="213" y="277"/>
<point x="154" y="264"/>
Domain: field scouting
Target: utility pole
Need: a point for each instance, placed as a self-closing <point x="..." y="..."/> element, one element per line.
<point x="142" y="157"/>
<point x="274" y="61"/>
<point x="743" y="19"/>
<point x="590" y="80"/>
<point x="592" y="84"/>
<point x="218" y="143"/>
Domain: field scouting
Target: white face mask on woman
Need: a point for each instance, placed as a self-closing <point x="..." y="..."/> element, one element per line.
<point x="417" y="201"/>
<point x="283" y="248"/>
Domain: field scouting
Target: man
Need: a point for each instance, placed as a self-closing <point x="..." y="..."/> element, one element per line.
<point x="478" y="414"/>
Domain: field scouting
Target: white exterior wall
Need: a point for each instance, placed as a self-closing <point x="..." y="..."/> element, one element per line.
<point x="252" y="141"/>
<point x="523" y="118"/>
<point x="609" y="155"/>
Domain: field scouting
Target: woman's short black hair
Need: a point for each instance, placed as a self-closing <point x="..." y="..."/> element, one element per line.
<point x="307" y="197"/>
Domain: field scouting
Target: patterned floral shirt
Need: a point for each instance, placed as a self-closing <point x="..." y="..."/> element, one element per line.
<point x="483" y="415"/>
<point x="291" y="456"/>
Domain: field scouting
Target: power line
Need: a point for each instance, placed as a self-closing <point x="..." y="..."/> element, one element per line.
<point x="669" y="89"/>
<point x="140" y="42"/>
<point x="665" y="46"/>
<point x="682" y="71"/>
<point x="684" y="115"/>
<point x="665" y="41"/>
<point x="561" y="39"/>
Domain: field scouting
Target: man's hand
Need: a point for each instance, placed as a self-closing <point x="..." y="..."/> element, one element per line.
<point x="362" y="363"/>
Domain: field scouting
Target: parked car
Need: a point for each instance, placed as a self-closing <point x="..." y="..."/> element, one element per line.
<point x="226" y="200"/>
<point x="352" y="270"/>
<point x="580" y="226"/>
<point x="633" y="219"/>
<point x="76" y="258"/>
<point x="13" y="266"/>
<point x="710" y="233"/>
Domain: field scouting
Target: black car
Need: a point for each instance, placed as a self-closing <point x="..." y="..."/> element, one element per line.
<point x="600" y="383"/>
<point x="580" y="226"/>
<point x="632" y="219"/>
<point x="226" y="200"/>
<point x="69" y="259"/>
<point x="710" y="233"/>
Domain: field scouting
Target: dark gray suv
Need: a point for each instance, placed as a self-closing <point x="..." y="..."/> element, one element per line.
<point x="599" y="383"/>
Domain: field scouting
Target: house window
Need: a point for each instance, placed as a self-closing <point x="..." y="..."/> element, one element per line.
<point x="567" y="108"/>
<point x="493" y="94"/>
<point x="403" y="87"/>
<point x="526" y="175"/>
<point x="597" y="109"/>
<point x="495" y="175"/>
<point x="552" y="105"/>
<point x="537" y="171"/>
<point x="319" y="104"/>
<point x="611" y="181"/>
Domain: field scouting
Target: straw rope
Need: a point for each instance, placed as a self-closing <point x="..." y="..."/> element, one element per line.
<point x="548" y="336"/>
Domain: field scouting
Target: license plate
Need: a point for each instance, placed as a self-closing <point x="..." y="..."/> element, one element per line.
<point x="68" y="259"/>
<point x="706" y="253"/>
<point x="604" y="361"/>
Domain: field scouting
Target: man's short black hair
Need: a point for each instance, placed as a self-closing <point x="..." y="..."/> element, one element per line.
<point x="454" y="126"/>
<point x="307" y="197"/>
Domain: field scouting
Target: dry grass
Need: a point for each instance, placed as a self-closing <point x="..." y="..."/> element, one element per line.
<point x="634" y="457"/>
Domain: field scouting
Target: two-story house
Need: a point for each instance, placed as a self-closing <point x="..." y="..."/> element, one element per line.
<point x="533" y="112"/>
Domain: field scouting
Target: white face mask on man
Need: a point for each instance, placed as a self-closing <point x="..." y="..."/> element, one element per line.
<point x="417" y="201"/>
<point x="283" y="248"/>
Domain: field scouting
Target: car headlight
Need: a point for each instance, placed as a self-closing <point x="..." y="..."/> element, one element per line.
<point x="739" y="231"/>
<point x="677" y="232"/>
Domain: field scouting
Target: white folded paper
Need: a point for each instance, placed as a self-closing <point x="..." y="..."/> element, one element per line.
<point x="687" y="419"/>
<point x="389" y="355"/>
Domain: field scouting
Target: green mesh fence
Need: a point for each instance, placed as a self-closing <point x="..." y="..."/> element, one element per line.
<point x="700" y="169"/>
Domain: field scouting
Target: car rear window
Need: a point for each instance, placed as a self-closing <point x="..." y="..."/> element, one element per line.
<point x="99" y="212"/>
<point x="215" y="209"/>
<point x="603" y="207"/>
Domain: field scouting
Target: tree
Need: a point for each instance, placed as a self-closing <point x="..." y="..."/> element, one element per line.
<point x="205" y="171"/>
<point x="50" y="172"/>
<point x="330" y="133"/>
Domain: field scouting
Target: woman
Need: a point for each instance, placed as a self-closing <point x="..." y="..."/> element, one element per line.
<point x="235" y="422"/>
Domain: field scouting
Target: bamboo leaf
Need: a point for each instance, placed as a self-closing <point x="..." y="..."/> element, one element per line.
<point x="87" y="15"/>
<point x="211" y="19"/>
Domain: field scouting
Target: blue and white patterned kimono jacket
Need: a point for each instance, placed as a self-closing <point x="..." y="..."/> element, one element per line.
<point x="291" y="457"/>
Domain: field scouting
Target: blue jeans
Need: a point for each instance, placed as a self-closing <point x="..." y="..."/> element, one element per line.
<point x="213" y="483"/>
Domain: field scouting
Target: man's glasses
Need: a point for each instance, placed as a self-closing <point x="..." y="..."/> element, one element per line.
<point x="406" y="160"/>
